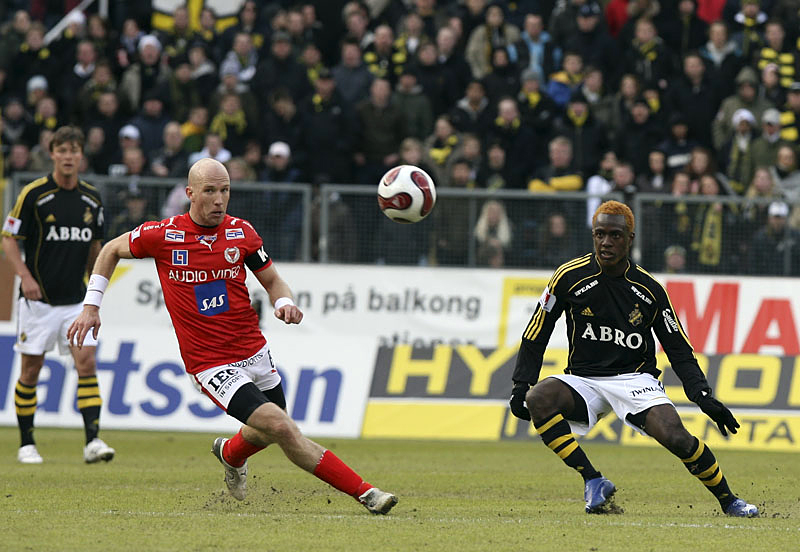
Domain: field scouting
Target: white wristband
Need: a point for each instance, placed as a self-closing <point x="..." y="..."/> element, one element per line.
<point x="283" y="301"/>
<point x="95" y="290"/>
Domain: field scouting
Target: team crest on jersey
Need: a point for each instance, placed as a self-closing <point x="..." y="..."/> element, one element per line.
<point x="174" y="235"/>
<point x="88" y="217"/>
<point x="207" y="240"/>
<point x="232" y="254"/>
<point x="180" y="257"/>
<point x="23" y="337"/>
<point x="234" y="234"/>
<point x="635" y="317"/>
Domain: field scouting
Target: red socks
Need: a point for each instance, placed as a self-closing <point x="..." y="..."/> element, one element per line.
<point x="339" y="475"/>
<point x="237" y="450"/>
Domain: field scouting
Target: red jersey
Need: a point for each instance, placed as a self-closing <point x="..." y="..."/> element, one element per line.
<point x="202" y="276"/>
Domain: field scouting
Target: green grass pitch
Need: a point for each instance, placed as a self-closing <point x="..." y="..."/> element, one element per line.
<point x="164" y="491"/>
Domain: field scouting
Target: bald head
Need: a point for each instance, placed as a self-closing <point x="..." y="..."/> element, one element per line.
<point x="208" y="190"/>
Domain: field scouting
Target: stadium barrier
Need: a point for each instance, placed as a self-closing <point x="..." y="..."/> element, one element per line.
<point x="416" y="352"/>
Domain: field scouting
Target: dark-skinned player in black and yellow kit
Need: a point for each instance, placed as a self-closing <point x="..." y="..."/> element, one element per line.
<point x="613" y="307"/>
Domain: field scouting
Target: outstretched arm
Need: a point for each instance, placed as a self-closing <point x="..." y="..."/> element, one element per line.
<point x="280" y="295"/>
<point x="89" y="318"/>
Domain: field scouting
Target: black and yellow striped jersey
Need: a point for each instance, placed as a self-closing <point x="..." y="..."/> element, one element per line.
<point x="57" y="227"/>
<point x="610" y="326"/>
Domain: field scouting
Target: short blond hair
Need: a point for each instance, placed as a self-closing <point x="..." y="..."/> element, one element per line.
<point x="616" y="208"/>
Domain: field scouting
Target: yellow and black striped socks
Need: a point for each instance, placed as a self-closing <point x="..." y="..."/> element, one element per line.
<point x="25" y="403"/>
<point x="702" y="464"/>
<point x="556" y="434"/>
<point x="89" y="403"/>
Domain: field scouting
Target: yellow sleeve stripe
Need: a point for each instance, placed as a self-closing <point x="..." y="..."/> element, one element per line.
<point x="701" y="446"/>
<point x="24" y="193"/>
<point x="536" y="324"/>
<point x="550" y="423"/>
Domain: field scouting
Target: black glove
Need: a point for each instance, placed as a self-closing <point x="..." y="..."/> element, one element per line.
<point x="517" y="401"/>
<point x="717" y="412"/>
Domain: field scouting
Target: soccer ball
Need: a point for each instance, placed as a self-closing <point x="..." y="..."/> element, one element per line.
<point x="406" y="194"/>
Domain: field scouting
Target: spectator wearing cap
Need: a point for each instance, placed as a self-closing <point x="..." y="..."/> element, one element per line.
<point x="746" y="97"/>
<point x="593" y="42"/>
<point x="765" y="146"/>
<point x="383" y="59"/>
<point x="535" y="47"/>
<point x="280" y="69"/>
<point x="588" y="136"/>
<point x="351" y="74"/>
<point x="736" y="156"/>
<point x="695" y="96"/>
<point x="494" y="34"/>
<point x="230" y="84"/>
<point x="647" y="56"/>
<point x="32" y="58"/>
<point x="472" y="112"/>
<point x="36" y="89"/>
<point x="145" y="75"/>
<point x="674" y="259"/>
<point x="413" y="104"/>
<point x="790" y="116"/>
<point x="678" y="145"/>
<point x="747" y="28"/>
<point x="639" y="135"/>
<point x="128" y="137"/>
<point x="283" y="210"/>
<point x="722" y="57"/>
<point x="776" y="246"/>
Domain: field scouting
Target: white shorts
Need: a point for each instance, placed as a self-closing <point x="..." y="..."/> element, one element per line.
<point x="624" y="394"/>
<point x="221" y="382"/>
<point x="41" y="326"/>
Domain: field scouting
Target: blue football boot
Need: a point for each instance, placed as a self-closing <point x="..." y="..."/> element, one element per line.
<point x="596" y="494"/>
<point x="740" y="508"/>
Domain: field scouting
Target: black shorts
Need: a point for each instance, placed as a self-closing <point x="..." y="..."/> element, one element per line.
<point x="248" y="397"/>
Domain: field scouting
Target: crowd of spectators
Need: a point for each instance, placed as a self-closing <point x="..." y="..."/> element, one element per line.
<point x="680" y="98"/>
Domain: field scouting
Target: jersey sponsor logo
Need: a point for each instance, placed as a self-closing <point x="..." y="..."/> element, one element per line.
<point x="69" y="233"/>
<point x="51" y="218"/>
<point x="669" y="321"/>
<point x="232" y="254"/>
<point x="641" y="295"/>
<point x="45" y="199"/>
<point x="212" y="298"/>
<point x="193" y="276"/>
<point x="222" y="381"/>
<point x="174" y="235"/>
<point x="618" y="337"/>
<point x="547" y="300"/>
<point x="12" y="225"/>
<point x="659" y="389"/>
<point x="248" y="361"/>
<point x="234" y="234"/>
<point x="89" y="200"/>
<point x="585" y="288"/>
<point x="170" y="221"/>
<point x="635" y="317"/>
<point x="587" y="312"/>
<point x="207" y="240"/>
<point x="180" y="257"/>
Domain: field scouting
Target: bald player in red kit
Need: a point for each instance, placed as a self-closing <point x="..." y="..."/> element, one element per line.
<point x="201" y="258"/>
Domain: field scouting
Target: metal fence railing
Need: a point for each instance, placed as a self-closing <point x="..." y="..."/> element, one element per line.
<point x="337" y="223"/>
